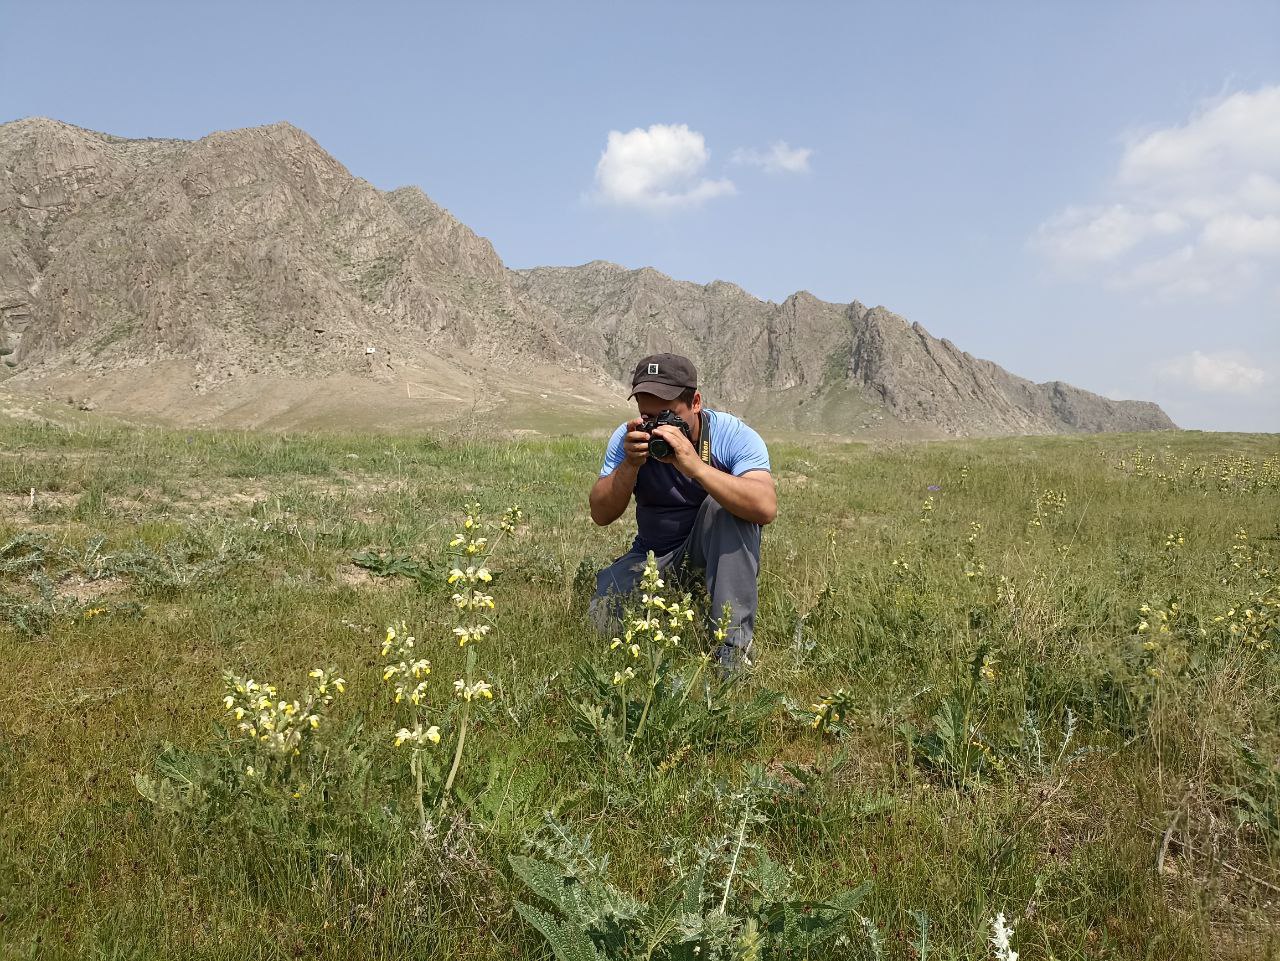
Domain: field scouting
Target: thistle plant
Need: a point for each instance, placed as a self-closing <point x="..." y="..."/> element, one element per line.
<point x="727" y="899"/>
<point x="959" y="743"/>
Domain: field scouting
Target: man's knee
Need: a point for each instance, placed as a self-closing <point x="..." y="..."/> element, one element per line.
<point x="613" y="585"/>
<point x="720" y="532"/>
<point x="620" y="577"/>
<point x="603" y="613"/>
<point x="715" y="516"/>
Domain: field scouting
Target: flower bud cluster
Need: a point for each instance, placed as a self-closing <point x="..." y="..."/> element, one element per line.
<point x="473" y="600"/>
<point x="280" y="725"/>
<point x="659" y="620"/>
<point x="471" y="575"/>
<point x="512" y="518"/>
<point x="405" y="671"/>
<point x="418" y="737"/>
<point x="1001" y="933"/>
<point x="469" y="692"/>
<point x="470" y="633"/>
<point x="1255" y="623"/>
<point x="830" y="710"/>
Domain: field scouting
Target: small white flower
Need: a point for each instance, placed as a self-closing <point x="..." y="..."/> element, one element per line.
<point x="1000" y="935"/>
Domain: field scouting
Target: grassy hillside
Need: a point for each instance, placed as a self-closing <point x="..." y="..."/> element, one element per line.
<point x="1037" y="678"/>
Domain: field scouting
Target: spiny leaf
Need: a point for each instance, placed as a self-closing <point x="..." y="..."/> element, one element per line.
<point x="567" y="942"/>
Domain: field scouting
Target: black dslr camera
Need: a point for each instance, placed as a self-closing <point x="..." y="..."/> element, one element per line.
<point x="657" y="446"/>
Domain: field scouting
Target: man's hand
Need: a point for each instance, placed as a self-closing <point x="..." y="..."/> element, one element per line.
<point x="635" y="445"/>
<point x="684" y="457"/>
<point x="611" y="494"/>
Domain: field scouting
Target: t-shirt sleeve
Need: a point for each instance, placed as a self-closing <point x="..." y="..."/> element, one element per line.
<point x="614" y="454"/>
<point x="745" y="451"/>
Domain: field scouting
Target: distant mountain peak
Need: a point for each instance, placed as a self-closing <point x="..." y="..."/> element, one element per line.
<point x="226" y="278"/>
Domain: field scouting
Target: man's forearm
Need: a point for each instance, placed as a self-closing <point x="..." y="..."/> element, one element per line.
<point x="748" y="499"/>
<point x="612" y="493"/>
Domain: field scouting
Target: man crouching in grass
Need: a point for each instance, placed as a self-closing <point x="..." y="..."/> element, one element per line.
<point x="700" y="505"/>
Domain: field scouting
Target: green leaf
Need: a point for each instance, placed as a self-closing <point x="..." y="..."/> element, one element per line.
<point x="567" y="942"/>
<point x="544" y="880"/>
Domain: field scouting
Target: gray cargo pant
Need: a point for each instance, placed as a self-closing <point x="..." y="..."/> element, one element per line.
<point x="724" y="549"/>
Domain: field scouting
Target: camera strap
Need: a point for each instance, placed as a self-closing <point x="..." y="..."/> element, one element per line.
<point x="704" y="446"/>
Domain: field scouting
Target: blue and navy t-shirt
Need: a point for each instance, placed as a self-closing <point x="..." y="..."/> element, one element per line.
<point x="666" y="501"/>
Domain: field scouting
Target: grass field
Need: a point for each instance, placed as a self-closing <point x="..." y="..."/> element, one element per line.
<point x="1037" y="678"/>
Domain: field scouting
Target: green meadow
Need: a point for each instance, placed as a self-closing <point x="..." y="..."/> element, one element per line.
<point x="1036" y="678"/>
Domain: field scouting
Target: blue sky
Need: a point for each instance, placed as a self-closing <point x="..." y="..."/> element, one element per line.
<point x="1087" y="192"/>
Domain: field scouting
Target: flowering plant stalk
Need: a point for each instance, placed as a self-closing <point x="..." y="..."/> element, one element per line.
<point x="407" y="674"/>
<point x="472" y="605"/>
<point x="830" y="711"/>
<point x="645" y="643"/>
<point x="719" y="633"/>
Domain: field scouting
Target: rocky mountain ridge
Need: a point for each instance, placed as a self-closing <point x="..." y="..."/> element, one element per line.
<point x="248" y="277"/>
<point x="778" y="358"/>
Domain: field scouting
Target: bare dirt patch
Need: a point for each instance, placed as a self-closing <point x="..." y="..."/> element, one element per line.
<point x="19" y="509"/>
<point x="198" y="497"/>
<point x="85" y="591"/>
<point x="353" y="575"/>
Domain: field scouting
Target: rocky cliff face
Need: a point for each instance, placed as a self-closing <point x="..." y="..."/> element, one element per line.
<point x="775" y="358"/>
<point x="742" y="345"/>
<point x="253" y="258"/>
<point x="251" y="250"/>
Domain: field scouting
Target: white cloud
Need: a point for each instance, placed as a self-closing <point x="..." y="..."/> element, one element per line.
<point x="781" y="157"/>
<point x="1194" y="208"/>
<point x="657" y="169"/>
<point x="1098" y="234"/>
<point x="1221" y="373"/>
<point x="1187" y="272"/>
<point x="1243" y="234"/>
<point x="1237" y="135"/>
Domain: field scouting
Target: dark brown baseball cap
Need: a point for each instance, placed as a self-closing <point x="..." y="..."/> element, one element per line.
<point x="664" y="375"/>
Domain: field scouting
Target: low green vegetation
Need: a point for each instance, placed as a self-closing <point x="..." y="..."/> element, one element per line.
<point x="335" y="697"/>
